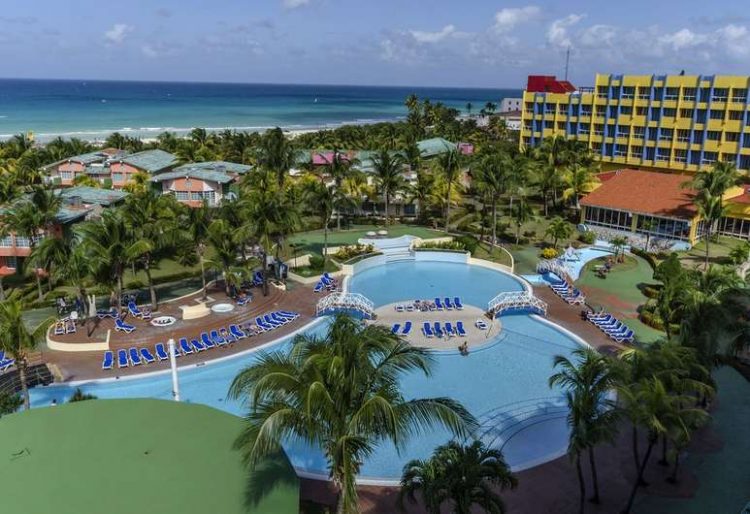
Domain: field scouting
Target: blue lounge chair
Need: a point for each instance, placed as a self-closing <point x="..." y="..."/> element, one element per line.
<point x="619" y="329"/>
<point x="427" y="329"/>
<point x="183" y="340"/>
<point x="407" y="328"/>
<point x="147" y="356"/>
<point x="111" y="313"/>
<point x="318" y="287"/>
<point x="207" y="341"/>
<point x="5" y="364"/>
<point x="279" y="319"/>
<point x="263" y="325"/>
<point x="457" y="303"/>
<point x="626" y="337"/>
<point x="448" y="304"/>
<point x="135" y="357"/>
<point x="227" y="335"/>
<point x="244" y="300"/>
<point x="395" y="328"/>
<point x="237" y="332"/>
<point x="134" y="310"/>
<point x="109" y="360"/>
<point x="438" y="305"/>
<point x="185" y="347"/>
<point x="121" y="326"/>
<point x="481" y="324"/>
<point x="199" y="347"/>
<point x="216" y="338"/>
<point x="161" y="353"/>
<point x="607" y="324"/>
<point x="270" y="321"/>
<point x="436" y="328"/>
<point x="289" y="314"/>
<point x="460" y="330"/>
<point x="122" y="359"/>
<point x="448" y="327"/>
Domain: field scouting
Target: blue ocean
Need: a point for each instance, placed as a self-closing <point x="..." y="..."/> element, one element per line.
<point x="92" y="109"/>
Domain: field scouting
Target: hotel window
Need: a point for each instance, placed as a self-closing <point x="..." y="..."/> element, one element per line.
<point x="700" y="116"/>
<point x="652" y="132"/>
<point x="672" y="93"/>
<point x="562" y="108"/>
<point x="610" y="131"/>
<point x="650" y="154"/>
<point x="713" y="135"/>
<point x="527" y="125"/>
<point x="613" y="111"/>
<point x="621" y="151"/>
<point x="638" y="132"/>
<point x="739" y="95"/>
<point x="686" y="113"/>
<point x="560" y="125"/>
<point x="641" y="111"/>
<point x="574" y="110"/>
<point x="66" y="175"/>
<point x="583" y="130"/>
<point x="529" y="106"/>
<point x="537" y="126"/>
<point x="598" y="130"/>
<point x="549" y="124"/>
<point x="735" y="115"/>
<point x="663" y="227"/>
<point x="709" y="157"/>
<point x="729" y="157"/>
<point x="680" y="155"/>
<point x="609" y="150"/>
<point x="705" y="93"/>
<point x="736" y="227"/>
<point x="732" y="136"/>
<point x="695" y="157"/>
<point x="662" y="154"/>
<point x="636" y="153"/>
<point x="683" y="136"/>
<point x="596" y="147"/>
<point x="549" y="109"/>
<point x="655" y="116"/>
<point x="720" y="94"/>
<point x="601" y="92"/>
<point x="670" y="113"/>
<point x="697" y="138"/>
<point x="626" y="111"/>
<point x="182" y="196"/>
<point x="585" y="110"/>
<point x="688" y="94"/>
<point x="627" y="92"/>
<point x="666" y="135"/>
<point x="117" y="177"/>
<point x="608" y="217"/>
<point x="22" y="241"/>
<point x="658" y="93"/>
<point x="644" y="93"/>
<point x="6" y="242"/>
<point x="744" y="162"/>
<point x="623" y="131"/>
<point x="614" y="91"/>
<point x="746" y="140"/>
<point x="717" y="114"/>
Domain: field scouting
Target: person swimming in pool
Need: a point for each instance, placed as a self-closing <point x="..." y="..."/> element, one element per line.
<point x="464" y="348"/>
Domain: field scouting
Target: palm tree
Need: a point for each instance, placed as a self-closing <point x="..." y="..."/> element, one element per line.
<point x="492" y="179"/>
<point x="339" y="392"/>
<point x="522" y="212"/>
<point x="592" y="416"/>
<point x="450" y="165"/>
<point x="489" y="108"/>
<point x="16" y="340"/>
<point x="618" y="246"/>
<point x="25" y="221"/>
<point x="740" y="253"/>
<point x="662" y="413"/>
<point x="196" y="228"/>
<point x="322" y="199"/>
<point x="558" y="229"/>
<point x="276" y="154"/>
<point x="338" y="168"/>
<point x="221" y="236"/>
<point x="579" y="179"/>
<point x="461" y="474"/>
<point x="388" y="168"/>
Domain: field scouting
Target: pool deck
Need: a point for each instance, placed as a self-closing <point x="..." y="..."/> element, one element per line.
<point x="70" y="366"/>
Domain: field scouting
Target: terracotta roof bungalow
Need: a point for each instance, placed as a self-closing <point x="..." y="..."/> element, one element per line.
<point x="194" y="183"/>
<point x="78" y="203"/>
<point x="64" y="171"/>
<point x="149" y="161"/>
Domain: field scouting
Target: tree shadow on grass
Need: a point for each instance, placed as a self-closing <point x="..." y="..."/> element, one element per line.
<point x="272" y="474"/>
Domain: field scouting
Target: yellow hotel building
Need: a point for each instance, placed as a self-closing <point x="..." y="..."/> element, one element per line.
<point x="678" y="123"/>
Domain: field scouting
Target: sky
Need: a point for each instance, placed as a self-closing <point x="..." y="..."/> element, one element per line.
<point x="465" y="43"/>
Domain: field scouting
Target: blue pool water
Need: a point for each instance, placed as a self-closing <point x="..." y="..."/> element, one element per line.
<point x="503" y="383"/>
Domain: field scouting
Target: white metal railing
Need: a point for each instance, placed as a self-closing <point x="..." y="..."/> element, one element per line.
<point x="556" y="267"/>
<point x="345" y="302"/>
<point x="516" y="300"/>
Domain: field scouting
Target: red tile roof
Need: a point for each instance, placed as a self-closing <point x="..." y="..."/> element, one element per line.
<point x="644" y="192"/>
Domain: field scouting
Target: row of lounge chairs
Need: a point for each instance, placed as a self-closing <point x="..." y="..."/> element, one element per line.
<point x="614" y="328"/>
<point x="437" y="329"/>
<point x="405" y="331"/>
<point x="568" y="293"/>
<point x="65" y="326"/>
<point x="206" y="341"/>
<point x="326" y="282"/>
<point x="426" y="305"/>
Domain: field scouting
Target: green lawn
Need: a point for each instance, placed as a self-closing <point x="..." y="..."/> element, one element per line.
<point x="493" y="254"/>
<point x="313" y="241"/>
<point x="126" y="456"/>
<point x="526" y="259"/>
<point x="619" y="292"/>
<point x="724" y="474"/>
<point x="718" y="252"/>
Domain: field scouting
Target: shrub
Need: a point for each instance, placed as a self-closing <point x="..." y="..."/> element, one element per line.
<point x="529" y="233"/>
<point x="652" y="261"/>
<point x="80" y="396"/>
<point x="9" y="403"/>
<point x="587" y="237"/>
<point x="317" y="262"/>
<point x="652" y="320"/>
<point x="549" y="253"/>
<point x="443" y="245"/>
<point x="651" y="291"/>
<point x="469" y="243"/>
<point x="348" y="252"/>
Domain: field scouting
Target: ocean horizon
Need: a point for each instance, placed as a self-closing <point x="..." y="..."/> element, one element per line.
<point x="93" y="109"/>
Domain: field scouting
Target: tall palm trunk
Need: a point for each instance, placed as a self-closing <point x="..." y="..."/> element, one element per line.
<point x="386" y="208"/>
<point x="545" y="194"/>
<point x="265" y="272"/>
<point x="494" y="221"/>
<point x="325" y="245"/>
<point x="204" y="290"/>
<point x="636" y="453"/>
<point x="594" y="477"/>
<point x="641" y="469"/>
<point x="581" y="484"/>
<point x="663" y="461"/>
<point x="151" y="288"/>
<point x="673" y="477"/>
<point x="2" y="290"/>
<point x="22" y="368"/>
<point x="708" y="240"/>
<point x="448" y="206"/>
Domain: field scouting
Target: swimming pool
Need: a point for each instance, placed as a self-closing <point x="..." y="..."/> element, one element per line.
<point x="503" y="383"/>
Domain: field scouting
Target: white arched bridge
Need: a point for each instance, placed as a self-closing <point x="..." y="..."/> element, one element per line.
<point x="346" y="302"/>
<point x="556" y="267"/>
<point x="511" y="301"/>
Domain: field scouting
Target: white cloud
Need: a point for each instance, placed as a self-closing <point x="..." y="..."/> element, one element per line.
<point x="117" y="33"/>
<point x="597" y="36"/>
<point x="507" y="19"/>
<point x="150" y="51"/>
<point x="294" y="4"/>
<point x="736" y="39"/>
<point x="557" y="33"/>
<point x="683" y="38"/>
<point x="433" y="37"/>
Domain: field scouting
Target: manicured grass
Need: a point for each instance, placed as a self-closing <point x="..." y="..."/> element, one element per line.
<point x="313" y="241"/>
<point x="493" y="254"/>
<point x="526" y="259"/>
<point x="125" y="456"/>
<point x="718" y="252"/>
<point x="619" y="293"/>
<point x="724" y="473"/>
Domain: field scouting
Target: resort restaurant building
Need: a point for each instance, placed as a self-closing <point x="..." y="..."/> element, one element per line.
<point x="95" y="164"/>
<point x="640" y="203"/>
<point x="677" y="123"/>
<point x="79" y="203"/>
<point x="195" y="183"/>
